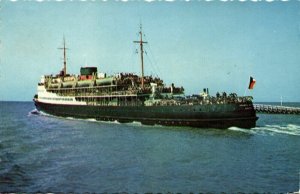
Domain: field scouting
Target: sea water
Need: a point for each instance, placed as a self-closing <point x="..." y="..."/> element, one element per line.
<point x="42" y="153"/>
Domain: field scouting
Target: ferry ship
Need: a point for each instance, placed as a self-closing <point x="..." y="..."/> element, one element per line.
<point x="128" y="97"/>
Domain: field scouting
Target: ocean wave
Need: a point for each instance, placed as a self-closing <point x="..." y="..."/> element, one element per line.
<point x="78" y="119"/>
<point x="289" y="129"/>
<point x="237" y="129"/>
<point x="34" y="112"/>
<point x="45" y="114"/>
<point x="91" y="119"/>
<point x="38" y="112"/>
<point x="158" y="125"/>
<point x="135" y="123"/>
<point x="115" y="122"/>
<point x="101" y="121"/>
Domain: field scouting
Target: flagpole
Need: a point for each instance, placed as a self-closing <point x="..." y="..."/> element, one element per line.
<point x="245" y="92"/>
<point x="246" y="88"/>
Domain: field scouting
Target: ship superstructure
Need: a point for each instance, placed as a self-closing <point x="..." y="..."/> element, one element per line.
<point x="128" y="97"/>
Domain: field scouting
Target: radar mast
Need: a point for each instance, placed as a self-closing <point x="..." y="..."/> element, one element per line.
<point x="65" y="58"/>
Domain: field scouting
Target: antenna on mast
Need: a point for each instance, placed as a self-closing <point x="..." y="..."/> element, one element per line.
<point x="65" y="57"/>
<point x="141" y="42"/>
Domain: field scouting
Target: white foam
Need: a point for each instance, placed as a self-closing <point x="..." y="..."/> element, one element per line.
<point x="101" y="121"/>
<point x="289" y="129"/>
<point x="33" y="112"/>
<point x="249" y="131"/>
<point x="157" y="125"/>
<point x="45" y="114"/>
<point x="291" y="126"/>
<point x="91" y="119"/>
<point x="78" y="119"/>
<point x="115" y="122"/>
<point x="135" y="123"/>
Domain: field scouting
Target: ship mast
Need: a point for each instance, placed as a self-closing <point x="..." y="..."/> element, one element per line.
<point x="141" y="42"/>
<point x="65" y="57"/>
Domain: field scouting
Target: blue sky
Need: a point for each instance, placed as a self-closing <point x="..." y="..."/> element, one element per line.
<point x="194" y="44"/>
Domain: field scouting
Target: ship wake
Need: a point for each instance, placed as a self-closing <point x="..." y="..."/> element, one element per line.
<point x="237" y="129"/>
<point x="34" y="112"/>
<point x="289" y="129"/>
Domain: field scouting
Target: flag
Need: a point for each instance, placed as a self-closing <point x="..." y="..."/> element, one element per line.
<point x="252" y="83"/>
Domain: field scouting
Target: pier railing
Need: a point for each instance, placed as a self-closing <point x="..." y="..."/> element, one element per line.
<point x="273" y="109"/>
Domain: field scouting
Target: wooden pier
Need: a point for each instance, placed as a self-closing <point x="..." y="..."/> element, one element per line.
<point x="273" y="109"/>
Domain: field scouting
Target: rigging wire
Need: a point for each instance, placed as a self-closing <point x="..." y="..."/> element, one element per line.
<point x="133" y="58"/>
<point x="154" y="62"/>
<point x="152" y="65"/>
